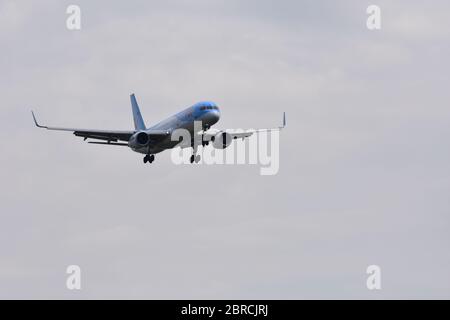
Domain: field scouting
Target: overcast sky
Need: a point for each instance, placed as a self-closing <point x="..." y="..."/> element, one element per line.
<point x="364" y="166"/>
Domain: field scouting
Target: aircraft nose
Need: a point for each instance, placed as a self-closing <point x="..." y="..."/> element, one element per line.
<point x="211" y="117"/>
<point x="215" y="115"/>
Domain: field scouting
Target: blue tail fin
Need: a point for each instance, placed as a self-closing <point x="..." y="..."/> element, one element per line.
<point x="137" y="117"/>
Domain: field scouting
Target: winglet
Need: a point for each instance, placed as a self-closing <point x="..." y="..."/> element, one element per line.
<point x="284" y="120"/>
<point x="35" y="121"/>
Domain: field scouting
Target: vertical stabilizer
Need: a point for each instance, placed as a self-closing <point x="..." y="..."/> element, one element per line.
<point x="137" y="116"/>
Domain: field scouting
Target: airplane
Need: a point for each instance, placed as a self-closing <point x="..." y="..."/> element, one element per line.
<point x="157" y="138"/>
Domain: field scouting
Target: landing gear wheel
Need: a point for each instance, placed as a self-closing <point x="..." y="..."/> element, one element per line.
<point x="149" y="158"/>
<point x="197" y="158"/>
<point x="192" y="158"/>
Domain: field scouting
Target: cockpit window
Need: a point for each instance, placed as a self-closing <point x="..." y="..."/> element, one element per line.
<point x="202" y="108"/>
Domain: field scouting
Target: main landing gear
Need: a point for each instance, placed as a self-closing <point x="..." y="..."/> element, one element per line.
<point x="149" y="158"/>
<point x="195" y="158"/>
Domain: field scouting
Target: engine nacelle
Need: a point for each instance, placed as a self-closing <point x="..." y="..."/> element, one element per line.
<point x="221" y="140"/>
<point x="139" y="139"/>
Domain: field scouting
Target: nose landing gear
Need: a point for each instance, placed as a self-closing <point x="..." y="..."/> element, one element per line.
<point x="195" y="157"/>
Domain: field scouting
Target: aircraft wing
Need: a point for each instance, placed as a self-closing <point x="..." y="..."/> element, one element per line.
<point x="236" y="134"/>
<point x="107" y="135"/>
<point x="110" y="136"/>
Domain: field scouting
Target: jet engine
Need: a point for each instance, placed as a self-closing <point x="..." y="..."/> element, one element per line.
<point x="139" y="139"/>
<point x="221" y="140"/>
